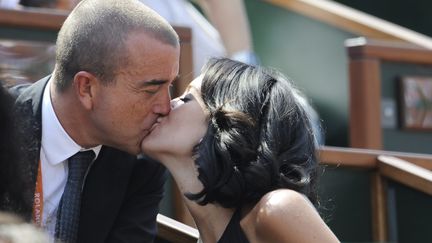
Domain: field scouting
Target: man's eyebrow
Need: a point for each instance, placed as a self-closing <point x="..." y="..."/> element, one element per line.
<point x="150" y="83"/>
<point x="153" y="82"/>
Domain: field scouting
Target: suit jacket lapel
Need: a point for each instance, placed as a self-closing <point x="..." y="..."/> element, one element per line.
<point x="28" y="111"/>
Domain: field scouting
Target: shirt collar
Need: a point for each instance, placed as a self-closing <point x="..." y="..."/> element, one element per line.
<point x="58" y="146"/>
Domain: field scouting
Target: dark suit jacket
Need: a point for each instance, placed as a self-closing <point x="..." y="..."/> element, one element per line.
<point x="121" y="193"/>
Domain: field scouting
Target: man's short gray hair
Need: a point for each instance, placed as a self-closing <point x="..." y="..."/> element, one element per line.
<point x="93" y="37"/>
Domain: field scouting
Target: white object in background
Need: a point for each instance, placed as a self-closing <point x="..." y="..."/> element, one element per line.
<point x="9" y="3"/>
<point x="206" y="42"/>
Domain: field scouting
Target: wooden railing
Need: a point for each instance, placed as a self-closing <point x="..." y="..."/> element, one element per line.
<point x="365" y="58"/>
<point x="52" y="19"/>
<point x="367" y="158"/>
<point x="405" y="173"/>
<point x="412" y="170"/>
<point x="353" y="21"/>
<point x="36" y="18"/>
<point x="174" y="231"/>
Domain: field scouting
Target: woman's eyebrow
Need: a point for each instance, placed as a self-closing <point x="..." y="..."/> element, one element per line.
<point x="196" y="93"/>
<point x="193" y="88"/>
<point x="189" y="88"/>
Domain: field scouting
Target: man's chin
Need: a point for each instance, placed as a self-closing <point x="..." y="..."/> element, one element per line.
<point x="136" y="150"/>
<point x="132" y="149"/>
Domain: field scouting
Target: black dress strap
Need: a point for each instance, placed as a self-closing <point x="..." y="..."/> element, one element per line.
<point x="233" y="232"/>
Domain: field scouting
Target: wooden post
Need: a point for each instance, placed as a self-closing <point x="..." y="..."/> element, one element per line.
<point x="379" y="209"/>
<point x="186" y="61"/>
<point x="365" y="103"/>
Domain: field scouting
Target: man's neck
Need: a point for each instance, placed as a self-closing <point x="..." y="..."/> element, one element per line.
<point x="70" y="115"/>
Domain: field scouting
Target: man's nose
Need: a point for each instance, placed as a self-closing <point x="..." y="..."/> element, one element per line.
<point x="163" y="105"/>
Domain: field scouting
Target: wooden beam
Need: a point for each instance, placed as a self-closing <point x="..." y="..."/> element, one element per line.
<point x="367" y="158"/>
<point x="393" y="51"/>
<point x="353" y="21"/>
<point x="174" y="231"/>
<point x="37" y="18"/>
<point x="346" y="157"/>
<point x="406" y="173"/>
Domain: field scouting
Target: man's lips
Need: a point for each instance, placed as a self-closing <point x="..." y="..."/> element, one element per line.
<point x="157" y="123"/>
<point x="154" y="126"/>
<point x="145" y="133"/>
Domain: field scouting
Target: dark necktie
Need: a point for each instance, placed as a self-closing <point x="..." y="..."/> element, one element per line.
<point x="69" y="208"/>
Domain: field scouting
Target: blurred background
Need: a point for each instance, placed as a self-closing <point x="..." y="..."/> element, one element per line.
<point x="349" y="57"/>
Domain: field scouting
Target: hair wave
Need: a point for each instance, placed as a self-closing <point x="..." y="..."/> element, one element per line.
<point x="259" y="136"/>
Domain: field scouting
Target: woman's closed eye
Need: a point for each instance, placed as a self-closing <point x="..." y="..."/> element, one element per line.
<point x="186" y="98"/>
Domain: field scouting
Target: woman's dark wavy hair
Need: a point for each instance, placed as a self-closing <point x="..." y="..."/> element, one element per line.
<point x="259" y="136"/>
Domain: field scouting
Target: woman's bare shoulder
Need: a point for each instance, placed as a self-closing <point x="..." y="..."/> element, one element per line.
<point x="282" y="205"/>
<point x="285" y="215"/>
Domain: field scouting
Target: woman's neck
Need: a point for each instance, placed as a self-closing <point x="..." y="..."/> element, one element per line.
<point x="184" y="172"/>
<point x="210" y="219"/>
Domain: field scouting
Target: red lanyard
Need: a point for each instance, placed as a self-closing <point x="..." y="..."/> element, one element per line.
<point x="38" y="199"/>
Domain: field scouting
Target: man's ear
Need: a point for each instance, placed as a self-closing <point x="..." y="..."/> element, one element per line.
<point x="85" y="85"/>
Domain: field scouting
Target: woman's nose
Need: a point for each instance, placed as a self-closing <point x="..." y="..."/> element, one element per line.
<point x="174" y="103"/>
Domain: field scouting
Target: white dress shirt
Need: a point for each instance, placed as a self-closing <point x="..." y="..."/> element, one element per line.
<point x="56" y="147"/>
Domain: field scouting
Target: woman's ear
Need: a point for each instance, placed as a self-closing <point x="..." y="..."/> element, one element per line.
<point x="84" y="84"/>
